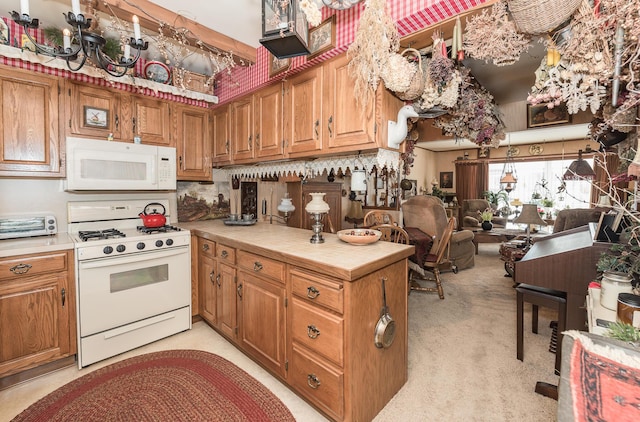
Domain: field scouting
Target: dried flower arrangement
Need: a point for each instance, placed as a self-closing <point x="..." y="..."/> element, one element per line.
<point x="398" y="73"/>
<point x="475" y="116"/>
<point x="376" y="37"/>
<point x="309" y="8"/>
<point x="443" y="79"/>
<point x="492" y="36"/>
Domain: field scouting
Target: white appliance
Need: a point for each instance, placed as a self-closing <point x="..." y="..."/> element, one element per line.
<point x="133" y="284"/>
<point x="116" y="166"/>
<point x="27" y="225"/>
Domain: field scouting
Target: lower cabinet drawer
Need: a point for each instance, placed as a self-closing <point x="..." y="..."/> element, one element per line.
<point x="318" y="330"/>
<point x="319" y="382"/>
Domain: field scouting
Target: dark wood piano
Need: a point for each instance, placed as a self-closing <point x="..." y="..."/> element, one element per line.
<point x="564" y="261"/>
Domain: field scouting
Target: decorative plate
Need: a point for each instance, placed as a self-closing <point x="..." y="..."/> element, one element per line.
<point x="535" y="149"/>
<point x="359" y="236"/>
<point x="157" y="72"/>
<point x="513" y="151"/>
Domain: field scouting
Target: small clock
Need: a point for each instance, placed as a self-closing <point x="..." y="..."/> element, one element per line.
<point x="157" y="72"/>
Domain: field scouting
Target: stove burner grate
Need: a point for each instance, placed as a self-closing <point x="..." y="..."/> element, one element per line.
<point x="161" y="229"/>
<point x="85" y="235"/>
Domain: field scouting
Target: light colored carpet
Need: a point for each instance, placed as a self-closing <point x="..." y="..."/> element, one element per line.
<point x="462" y="357"/>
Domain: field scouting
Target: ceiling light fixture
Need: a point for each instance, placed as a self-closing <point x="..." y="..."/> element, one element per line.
<point x="579" y="170"/>
<point x="508" y="178"/>
<point x="285" y="31"/>
<point x="90" y="44"/>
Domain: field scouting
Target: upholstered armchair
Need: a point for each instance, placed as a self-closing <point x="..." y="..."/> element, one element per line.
<point x="572" y="218"/>
<point x="428" y="214"/>
<point x="471" y="209"/>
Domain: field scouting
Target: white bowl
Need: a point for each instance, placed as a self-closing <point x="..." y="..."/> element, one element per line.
<point x="359" y="236"/>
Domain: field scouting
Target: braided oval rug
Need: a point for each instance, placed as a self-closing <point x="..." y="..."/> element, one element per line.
<point x="173" y="385"/>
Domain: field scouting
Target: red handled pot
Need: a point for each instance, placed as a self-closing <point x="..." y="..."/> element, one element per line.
<point x="153" y="219"/>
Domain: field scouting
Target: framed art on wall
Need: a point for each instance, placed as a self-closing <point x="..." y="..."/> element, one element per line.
<point x="446" y="179"/>
<point x="540" y="115"/>
<point x="277" y="65"/>
<point x="96" y="117"/>
<point x="322" y="38"/>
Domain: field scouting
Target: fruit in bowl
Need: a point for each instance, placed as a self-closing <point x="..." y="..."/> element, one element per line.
<point x="359" y="236"/>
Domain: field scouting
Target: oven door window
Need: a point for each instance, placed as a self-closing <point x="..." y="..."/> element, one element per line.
<point x="139" y="277"/>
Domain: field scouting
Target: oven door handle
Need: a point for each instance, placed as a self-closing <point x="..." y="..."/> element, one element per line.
<point x="136" y="257"/>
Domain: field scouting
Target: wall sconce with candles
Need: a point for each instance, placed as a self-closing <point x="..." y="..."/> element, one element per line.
<point x="90" y="44"/>
<point x="285" y="206"/>
<point x="317" y="207"/>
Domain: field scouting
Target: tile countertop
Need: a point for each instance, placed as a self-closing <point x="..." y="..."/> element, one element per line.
<point x="333" y="257"/>
<point x="30" y="245"/>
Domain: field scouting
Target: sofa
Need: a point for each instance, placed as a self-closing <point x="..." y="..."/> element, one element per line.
<point x="428" y="214"/>
<point x="470" y="212"/>
<point x="575" y="217"/>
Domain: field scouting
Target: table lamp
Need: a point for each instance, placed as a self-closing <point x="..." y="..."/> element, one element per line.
<point x="528" y="216"/>
<point x="317" y="207"/>
<point x="517" y="203"/>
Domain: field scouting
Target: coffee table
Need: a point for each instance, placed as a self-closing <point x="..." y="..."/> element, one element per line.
<point x="495" y="235"/>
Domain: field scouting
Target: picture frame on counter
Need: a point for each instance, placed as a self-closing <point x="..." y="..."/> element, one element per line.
<point x="322" y="38"/>
<point x="96" y="117"/>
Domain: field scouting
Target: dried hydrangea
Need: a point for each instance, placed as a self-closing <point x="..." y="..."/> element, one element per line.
<point x="311" y="11"/>
<point x="435" y="95"/>
<point x="398" y="73"/>
<point x="491" y="36"/>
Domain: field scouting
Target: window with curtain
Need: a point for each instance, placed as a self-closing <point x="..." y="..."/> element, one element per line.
<point x="544" y="178"/>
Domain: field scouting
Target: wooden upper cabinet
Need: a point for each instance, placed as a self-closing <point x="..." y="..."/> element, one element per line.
<point x="152" y="121"/>
<point x="267" y="115"/>
<point x="345" y="123"/>
<point x="221" y="132"/>
<point x="30" y="141"/>
<point x="94" y="112"/>
<point x="303" y="130"/>
<point x="193" y="143"/>
<point x="242" y="137"/>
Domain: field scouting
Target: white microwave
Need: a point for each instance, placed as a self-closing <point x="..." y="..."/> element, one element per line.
<point x="117" y="166"/>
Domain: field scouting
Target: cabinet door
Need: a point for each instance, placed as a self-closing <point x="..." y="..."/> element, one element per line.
<point x="152" y="121"/>
<point x="193" y="143"/>
<point x="242" y="129"/>
<point x="345" y="123"/>
<point x="35" y="322"/>
<point x="220" y="128"/>
<point x="208" y="294"/>
<point x="268" y="122"/>
<point x="303" y="112"/>
<point x="226" y="300"/>
<point x="30" y="128"/>
<point x="93" y="111"/>
<point x="262" y="320"/>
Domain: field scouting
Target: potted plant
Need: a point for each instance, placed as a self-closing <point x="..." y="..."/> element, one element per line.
<point x="486" y="217"/>
<point x="496" y="198"/>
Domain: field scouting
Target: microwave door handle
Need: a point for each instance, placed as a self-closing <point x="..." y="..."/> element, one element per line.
<point x="128" y="259"/>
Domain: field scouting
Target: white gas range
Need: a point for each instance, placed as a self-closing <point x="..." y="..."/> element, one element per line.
<point x="133" y="284"/>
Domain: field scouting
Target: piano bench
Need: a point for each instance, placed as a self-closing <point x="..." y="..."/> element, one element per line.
<point x="538" y="296"/>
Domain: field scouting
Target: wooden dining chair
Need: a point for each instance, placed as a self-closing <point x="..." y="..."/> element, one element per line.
<point x="391" y="233"/>
<point x="432" y="263"/>
<point x="376" y="217"/>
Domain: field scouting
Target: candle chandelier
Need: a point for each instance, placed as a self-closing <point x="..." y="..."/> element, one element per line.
<point x="89" y="44"/>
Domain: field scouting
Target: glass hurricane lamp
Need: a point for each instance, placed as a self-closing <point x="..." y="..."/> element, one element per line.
<point x="317" y="207"/>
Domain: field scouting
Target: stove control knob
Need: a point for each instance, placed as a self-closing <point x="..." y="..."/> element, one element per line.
<point x="169" y="242"/>
<point x="140" y="245"/>
<point x="107" y="250"/>
<point x="158" y="243"/>
<point x="120" y="248"/>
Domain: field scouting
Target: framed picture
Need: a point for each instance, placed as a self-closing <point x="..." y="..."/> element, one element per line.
<point x="446" y="179"/>
<point x="411" y="192"/>
<point x="540" y="115"/>
<point x="96" y="117"/>
<point x="322" y="38"/>
<point x="277" y="65"/>
<point x="483" y="151"/>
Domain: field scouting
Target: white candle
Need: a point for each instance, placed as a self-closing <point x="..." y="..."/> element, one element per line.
<point x="127" y="51"/>
<point x="136" y="27"/>
<point x="75" y="7"/>
<point x="24" y="7"/>
<point x="454" y="45"/>
<point x="66" y="39"/>
<point x="458" y="34"/>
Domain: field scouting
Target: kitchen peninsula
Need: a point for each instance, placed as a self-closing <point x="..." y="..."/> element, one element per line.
<point x="308" y="313"/>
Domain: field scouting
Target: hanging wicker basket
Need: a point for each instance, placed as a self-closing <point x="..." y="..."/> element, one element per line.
<point x="417" y="82"/>
<point x="540" y="16"/>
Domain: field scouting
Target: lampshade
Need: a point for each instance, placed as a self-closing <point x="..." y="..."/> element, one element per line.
<point x="358" y="180"/>
<point x="604" y="201"/>
<point x="286" y="206"/>
<point x="355" y="210"/>
<point x="579" y="170"/>
<point x="434" y="181"/>
<point x="508" y="178"/>
<point x="516" y="202"/>
<point x="317" y="205"/>
<point x="529" y="215"/>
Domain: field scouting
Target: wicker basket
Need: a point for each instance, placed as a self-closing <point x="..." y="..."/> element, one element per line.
<point x="417" y="82"/>
<point x="540" y="16"/>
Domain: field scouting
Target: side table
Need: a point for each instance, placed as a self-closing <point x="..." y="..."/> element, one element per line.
<point x="510" y="252"/>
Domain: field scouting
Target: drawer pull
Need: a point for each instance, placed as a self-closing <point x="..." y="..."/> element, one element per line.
<point x="20" y="269"/>
<point x="313" y="381"/>
<point x="211" y="276"/>
<point x="239" y="290"/>
<point x="224" y="254"/>
<point x="257" y="266"/>
<point x="218" y="280"/>
<point x="312" y="292"/>
<point x="205" y="247"/>
<point x="312" y="331"/>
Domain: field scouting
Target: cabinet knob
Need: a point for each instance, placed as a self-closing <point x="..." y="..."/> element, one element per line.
<point x="211" y="276"/>
<point x="257" y="266"/>
<point x="20" y="269"/>
<point x="224" y="254"/>
<point x="329" y="126"/>
<point x="63" y="294"/>
<point x="205" y="247"/>
<point x="312" y="331"/>
<point x="312" y="292"/>
<point x="315" y="128"/>
<point x="218" y="280"/>
<point x="313" y="381"/>
<point x="239" y="290"/>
